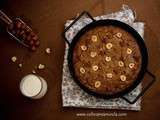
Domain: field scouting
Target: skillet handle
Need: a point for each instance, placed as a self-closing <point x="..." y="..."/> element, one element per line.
<point x="82" y="14"/>
<point x="143" y="91"/>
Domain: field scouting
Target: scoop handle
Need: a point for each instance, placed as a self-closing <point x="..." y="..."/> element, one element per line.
<point x="143" y="90"/>
<point x="5" y="18"/>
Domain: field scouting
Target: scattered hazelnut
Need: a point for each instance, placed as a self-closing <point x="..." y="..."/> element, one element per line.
<point x="82" y="70"/>
<point x="20" y="65"/>
<point x="14" y="59"/>
<point x="41" y="66"/>
<point x="33" y="71"/>
<point x="48" y="50"/>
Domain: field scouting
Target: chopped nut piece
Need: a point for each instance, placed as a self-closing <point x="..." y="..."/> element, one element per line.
<point x="83" y="47"/>
<point x="131" y="65"/>
<point x="109" y="45"/>
<point x="129" y="51"/>
<point x="120" y="63"/>
<point x="82" y="70"/>
<point x="97" y="84"/>
<point x="119" y="35"/>
<point x="14" y="59"/>
<point x="41" y="66"/>
<point x="108" y="58"/>
<point x="123" y="78"/>
<point x="93" y="54"/>
<point x="95" y="67"/>
<point x="109" y="75"/>
<point x="94" y="38"/>
<point x="48" y="50"/>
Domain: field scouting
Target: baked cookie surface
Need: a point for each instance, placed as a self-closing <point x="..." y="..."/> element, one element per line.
<point x="106" y="59"/>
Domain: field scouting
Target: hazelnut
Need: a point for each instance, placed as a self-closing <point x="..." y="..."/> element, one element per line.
<point x="123" y="78"/>
<point x="14" y="59"/>
<point x="95" y="67"/>
<point x="48" y="50"/>
<point x="83" y="47"/>
<point x="108" y="58"/>
<point x="31" y="42"/>
<point x="97" y="84"/>
<point x="109" y="75"/>
<point x="33" y="71"/>
<point x="109" y="45"/>
<point x="119" y="35"/>
<point x="93" y="54"/>
<point x="131" y="65"/>
<point x="33" y="48"/>
<point x="35" y="37"/>
<point x="41" y="66"/>
<point x="37" y="43"/>
<point x="18" y="24"/>
<point x="94" y="38"/>
<point x="20" y="65"/>
<point x="129" y="51"/>
<point x="121" y="63"/>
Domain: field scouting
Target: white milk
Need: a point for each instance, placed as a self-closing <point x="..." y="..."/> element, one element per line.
<point x="33" y="86"/>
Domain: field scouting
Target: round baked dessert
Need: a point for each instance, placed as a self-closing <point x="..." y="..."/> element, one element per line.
<point x="106" y="60"/>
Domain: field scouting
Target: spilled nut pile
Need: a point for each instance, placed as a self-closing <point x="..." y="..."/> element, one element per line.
<point x="14" y="59"/>
<point x="20" y="30"/>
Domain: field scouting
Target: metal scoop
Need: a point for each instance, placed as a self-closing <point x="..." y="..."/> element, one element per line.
<point x="20" y="31"/>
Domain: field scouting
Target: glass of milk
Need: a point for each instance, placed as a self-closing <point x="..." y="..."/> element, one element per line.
<point x="33" y="86"/>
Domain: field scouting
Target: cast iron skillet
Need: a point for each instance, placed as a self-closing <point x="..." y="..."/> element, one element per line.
<point x="140" y="43"/>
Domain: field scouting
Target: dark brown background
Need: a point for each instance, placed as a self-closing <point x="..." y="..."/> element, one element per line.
<point x="47" y="18"/>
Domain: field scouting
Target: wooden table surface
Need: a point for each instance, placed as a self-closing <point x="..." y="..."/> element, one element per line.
<point x="47" y="18"/>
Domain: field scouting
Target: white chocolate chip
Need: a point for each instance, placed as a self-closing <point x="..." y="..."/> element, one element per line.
<point x="41" y="66"/>
<point x="129" y="51"/>
<point x="93" y="54"/>
<point x="95" y="67"/>
<point x="14" y="59"/>
<point x="94" y="38"/>
<point x="109" y="75"/>
<point x="82" y="70"/>
<point x="97" y="84"/>
<point x="123" y="78"/>
<point x="48" y="50"/>
<point x="131" y="65"/>
<point x="109" y="45"/>
<point x="119" y="35"/>
<point x="120" y="63"/>
<point x="83" y="47"/>
<point x="108" y="58"/>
